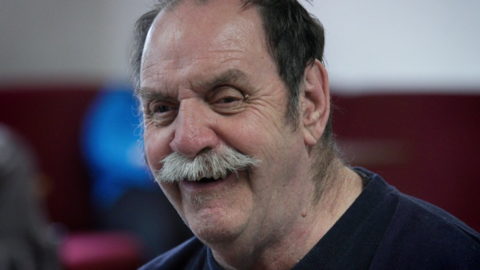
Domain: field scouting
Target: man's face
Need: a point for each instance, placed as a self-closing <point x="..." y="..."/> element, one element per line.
<point x="208" y="81"/>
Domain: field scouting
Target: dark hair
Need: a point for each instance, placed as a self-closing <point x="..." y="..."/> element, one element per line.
<point x="295" y="39"/>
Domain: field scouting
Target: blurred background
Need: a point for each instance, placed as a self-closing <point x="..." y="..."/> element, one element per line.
<point x="371" y="45"/>
<point x="405" y="78"/>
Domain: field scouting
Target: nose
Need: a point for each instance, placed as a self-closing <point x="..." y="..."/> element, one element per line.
<point x="193" y="130"/>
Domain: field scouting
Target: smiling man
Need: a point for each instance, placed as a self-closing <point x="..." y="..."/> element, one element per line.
<point x="237" y="132"/>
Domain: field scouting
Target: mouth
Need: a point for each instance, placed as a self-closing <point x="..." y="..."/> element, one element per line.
<point x="205" y="180"/>
<point x="207" y="183"/>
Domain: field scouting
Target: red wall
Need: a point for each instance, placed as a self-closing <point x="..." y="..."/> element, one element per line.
<point x="49" y="117"/>
<point x="427" y="146"/>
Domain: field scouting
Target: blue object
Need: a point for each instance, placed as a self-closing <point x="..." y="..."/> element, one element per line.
<point x="112" y="145"/>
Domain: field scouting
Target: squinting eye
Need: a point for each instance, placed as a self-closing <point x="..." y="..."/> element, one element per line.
<point x="163" y="109"/>
<point x="228" y="100"/>
<point x="161" y="113"/>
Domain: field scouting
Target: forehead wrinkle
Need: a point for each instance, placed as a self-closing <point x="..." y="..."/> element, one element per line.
<point x="230" y="75"/>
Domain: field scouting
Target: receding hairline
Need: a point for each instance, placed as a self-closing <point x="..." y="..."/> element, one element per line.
<point x="170" y="5"/>
<point x="227" y="75"/>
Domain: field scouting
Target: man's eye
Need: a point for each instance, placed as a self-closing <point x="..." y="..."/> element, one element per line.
<point x="162" y="109"/>
<point x="227" y="100"/>
<point x="161" y="113"/>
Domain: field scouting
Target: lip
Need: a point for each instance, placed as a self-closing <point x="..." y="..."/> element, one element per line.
<point x="193" y="186"/>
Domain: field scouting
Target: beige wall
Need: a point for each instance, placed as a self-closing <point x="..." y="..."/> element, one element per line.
<point x="58" y="39"/>
<point x="371" y="44"/>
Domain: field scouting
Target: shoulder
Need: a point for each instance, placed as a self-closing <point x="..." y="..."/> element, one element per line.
<point x="189" y="255"/>
<point x="423" y="235"/>
<point x="422" y="218"/>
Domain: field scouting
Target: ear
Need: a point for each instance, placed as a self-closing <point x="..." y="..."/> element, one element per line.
<point x="315" y="103"/>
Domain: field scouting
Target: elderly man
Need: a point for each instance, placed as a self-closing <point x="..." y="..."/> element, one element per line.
<point x="237" y="132"/>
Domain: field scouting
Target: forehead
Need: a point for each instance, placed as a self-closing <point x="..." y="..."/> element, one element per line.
<point x="212" y="35"/>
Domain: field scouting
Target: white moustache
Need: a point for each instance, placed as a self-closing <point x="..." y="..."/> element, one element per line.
<point x="208" y="164"/>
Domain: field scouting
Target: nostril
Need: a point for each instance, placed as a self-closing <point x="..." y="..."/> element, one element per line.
<point x="204" y="150"/>
<point x="190" y="146"/>
<point x="193" y="130"/>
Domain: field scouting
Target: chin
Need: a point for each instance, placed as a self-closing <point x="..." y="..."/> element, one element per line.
<point x="216" y="223"/>
<point x="217" y="213"/>
<point x="215" y="230"/>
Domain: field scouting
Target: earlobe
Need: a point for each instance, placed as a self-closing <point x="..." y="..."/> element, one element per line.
<point x="315" y="102"/>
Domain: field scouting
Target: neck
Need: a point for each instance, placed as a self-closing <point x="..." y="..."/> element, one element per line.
<point x="312" y="223"/>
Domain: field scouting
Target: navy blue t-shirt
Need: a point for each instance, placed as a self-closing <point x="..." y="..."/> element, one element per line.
<point x="382" y="229"/>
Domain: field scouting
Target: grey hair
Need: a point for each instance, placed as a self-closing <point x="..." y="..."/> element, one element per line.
<point x="210" y="163"/>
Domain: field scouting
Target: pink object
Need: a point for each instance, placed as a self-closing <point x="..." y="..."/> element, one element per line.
<point x="106" y="251"/>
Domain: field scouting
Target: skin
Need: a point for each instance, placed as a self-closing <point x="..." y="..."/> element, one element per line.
<point x="208" y="80"/>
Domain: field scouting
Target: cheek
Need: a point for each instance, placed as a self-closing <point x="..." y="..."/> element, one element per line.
<point x="173" y="194"/>
<point x="156" y="146"/>
<point x="252" y="128"/>
<point x="263" y="139"/>
<point x="172" y="191"/>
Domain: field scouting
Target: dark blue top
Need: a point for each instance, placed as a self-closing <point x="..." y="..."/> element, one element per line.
<point x="382" y="229"/>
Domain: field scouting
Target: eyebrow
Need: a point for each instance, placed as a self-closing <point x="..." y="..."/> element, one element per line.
<point x="147" y="93"/>
<point x="228" y="76"/>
